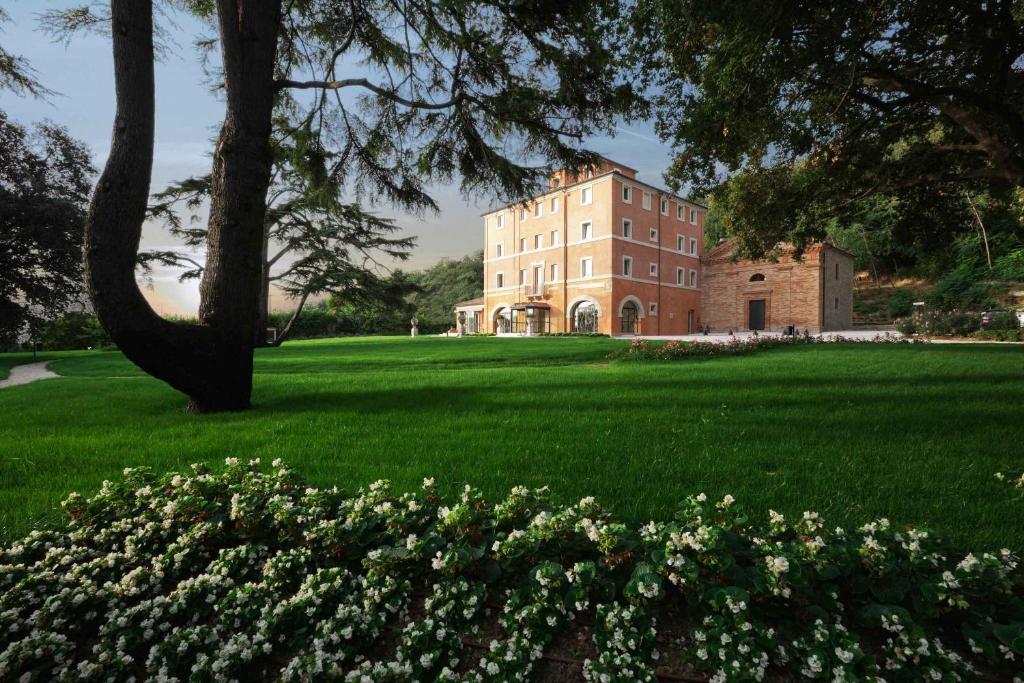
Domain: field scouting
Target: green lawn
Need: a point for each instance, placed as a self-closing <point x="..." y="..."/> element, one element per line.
<point x="914" y="433"/>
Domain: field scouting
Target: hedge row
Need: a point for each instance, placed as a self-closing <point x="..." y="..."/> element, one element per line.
<point x="253" y="575"/>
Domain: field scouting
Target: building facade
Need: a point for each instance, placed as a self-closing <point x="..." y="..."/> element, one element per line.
<point x="599" y="251"/>
<point x="813" y="293"/>
<point x="602" y="251"/>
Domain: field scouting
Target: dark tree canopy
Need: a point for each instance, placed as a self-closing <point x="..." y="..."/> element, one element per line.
<point x="822" y="103"/>
<point x="398" y="94"/>
<point x="16" y="74"/>
<point x="44" y="187"/>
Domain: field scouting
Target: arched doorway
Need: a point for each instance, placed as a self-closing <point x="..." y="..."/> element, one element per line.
<point x="502" y="321"/>
<point x="630" y="316"/>
<point x="584" y="317"/>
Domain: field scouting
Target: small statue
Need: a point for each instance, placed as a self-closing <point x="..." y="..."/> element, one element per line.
<point x="415" y="326"/>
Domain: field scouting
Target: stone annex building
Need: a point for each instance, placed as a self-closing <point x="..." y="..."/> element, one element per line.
<point x="601" y="251"/>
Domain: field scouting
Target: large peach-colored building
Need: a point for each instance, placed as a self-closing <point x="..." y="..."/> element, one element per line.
<point x="598" y="251"/>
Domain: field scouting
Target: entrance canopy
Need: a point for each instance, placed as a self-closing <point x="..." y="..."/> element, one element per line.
<point x="530" y="304"/>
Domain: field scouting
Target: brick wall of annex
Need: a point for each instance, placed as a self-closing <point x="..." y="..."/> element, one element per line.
<point x="792" y="291"/>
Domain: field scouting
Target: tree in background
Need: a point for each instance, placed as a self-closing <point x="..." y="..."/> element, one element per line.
<point x="315" y="243"/>
<point x="799" y="110"/>
<point x="44" y="189"/>
<point x="447" y="87"/>
<point x="444" y="284"/>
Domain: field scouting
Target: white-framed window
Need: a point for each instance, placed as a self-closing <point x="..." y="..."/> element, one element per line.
<point x="501" y="220"/>
<point x="586" y="195"/>
<point x="664" y="206"/>
<point x="627" y="228"/>
<point x="654" y="234"/>
<point x="646" y="200"/>
<point x="522" y="244"/>
<point x="627" y="194"/>
<point x="538" y="209"/>
<point x="586" y="230"/>
<point x="587" y="267"/>
<point x="500" y="249"/>
<point x="522" y="277"/>
<point x="627" y="265"/>
<point x="693" y="246"/>
<point x="554" y="272"/>
<point x="693" y="278"/>
<point x="654" y="269"/>
<point x="554" y="204"/>
<point x="499" y="280"/>
<point x="693" y="216"/>
<point x="652" y="308"/>
<point x="523" y="215"/>
<point x="679" y="212"/>
<point x="680" y="276"/>
<point x="680" y="244"/>
<point x="554" y="238"/>
<point x="538" y="241"/>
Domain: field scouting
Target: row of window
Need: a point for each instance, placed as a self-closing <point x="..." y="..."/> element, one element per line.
<point x="681" y="241"/>
<point x="645" y="202"/>
<point x="681" y="279"/>
<point x="587" y="232"/>
<point x="587" y="196"/>
<point x="538" y="210"/>
<point x="587" y="270"/>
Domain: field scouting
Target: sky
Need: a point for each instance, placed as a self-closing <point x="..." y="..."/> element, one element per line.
<point x="188" y="116"/>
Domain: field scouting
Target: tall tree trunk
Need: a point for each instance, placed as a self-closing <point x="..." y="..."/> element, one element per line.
<point x="210" y="362"/>
<point x="231" y="284"/>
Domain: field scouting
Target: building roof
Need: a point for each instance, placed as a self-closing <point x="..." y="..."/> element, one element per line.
<point x="563" y="188"/>
<point x="726" y="248"/>
<point x="479" y="301"/>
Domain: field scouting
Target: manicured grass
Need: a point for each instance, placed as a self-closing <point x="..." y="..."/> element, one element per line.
<point x="914" y="433"/>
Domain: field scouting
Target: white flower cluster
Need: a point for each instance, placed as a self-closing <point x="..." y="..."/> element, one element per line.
<point x="249" y="575"/>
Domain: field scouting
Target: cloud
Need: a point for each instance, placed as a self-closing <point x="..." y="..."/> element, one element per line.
<point x="626" y="131"/>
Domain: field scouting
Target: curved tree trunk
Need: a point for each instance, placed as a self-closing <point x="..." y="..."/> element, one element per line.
<point x="210" y="362"/>
<point x="286" y="332"/>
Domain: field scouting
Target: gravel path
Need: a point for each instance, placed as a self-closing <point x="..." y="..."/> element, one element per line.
<point x="23" y="374"/>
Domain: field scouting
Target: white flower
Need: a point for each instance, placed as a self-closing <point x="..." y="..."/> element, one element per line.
<point x="777" y="565"/>
<point x="428" y="483"/>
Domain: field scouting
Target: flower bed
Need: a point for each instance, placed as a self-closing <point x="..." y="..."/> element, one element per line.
<point x="252" y="575"/>
<point x="643" y="349"/>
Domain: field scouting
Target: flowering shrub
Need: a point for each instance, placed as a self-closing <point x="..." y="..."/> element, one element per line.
<point x="937" y="323"/>
<point x="572" y="334"/>
<point x="642" y="349"/>
<point x="252" y="575"/>
<point x="1016" y="480"/>
<point x="999" y="335"/>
